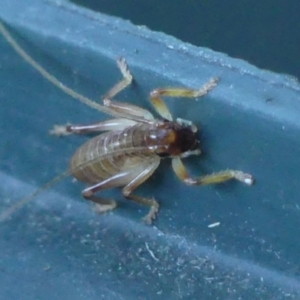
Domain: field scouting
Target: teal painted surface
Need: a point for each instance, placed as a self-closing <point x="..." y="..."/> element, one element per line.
<point x="265" y="33"/>
<point x="56" y="247"/>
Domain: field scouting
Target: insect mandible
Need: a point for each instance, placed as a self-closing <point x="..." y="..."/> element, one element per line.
<point x="131" y="145"/>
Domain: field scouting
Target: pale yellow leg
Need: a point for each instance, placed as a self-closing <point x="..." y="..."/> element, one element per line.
<point x="160" y="105"/>
<point x="219" y="177"/>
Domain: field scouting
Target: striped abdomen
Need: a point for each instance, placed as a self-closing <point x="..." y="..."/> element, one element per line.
<point x="95" y="156"/>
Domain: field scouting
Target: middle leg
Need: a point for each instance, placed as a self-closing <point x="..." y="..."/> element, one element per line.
<point x="124" y="110"/>
<point x="162" y="108"/>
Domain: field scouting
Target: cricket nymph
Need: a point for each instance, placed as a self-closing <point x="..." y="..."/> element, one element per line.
<point x="131" y="144"/>
<point x="137" y="143"/>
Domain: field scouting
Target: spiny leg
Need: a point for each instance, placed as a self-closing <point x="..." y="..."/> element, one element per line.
<point x="127" y="79"/>
<point x="127" y="114"/>
<point x="219" y="177"/>
<point x="137" y="181"/>
<point x="125" y="110"/>
<point x="131" y="179"/>
<point x="125" y="82"/>
<point x="108" y="125"/>
<point x="160" y="105"/>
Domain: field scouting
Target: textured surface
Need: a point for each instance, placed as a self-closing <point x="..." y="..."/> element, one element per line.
<point x="243" y="29"/>
<point x="56" y="247"/>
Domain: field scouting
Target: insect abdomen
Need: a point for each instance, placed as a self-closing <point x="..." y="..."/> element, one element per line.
<point x="94" y="154"/>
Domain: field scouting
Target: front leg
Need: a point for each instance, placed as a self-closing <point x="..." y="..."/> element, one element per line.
<point x="219" y="177"/>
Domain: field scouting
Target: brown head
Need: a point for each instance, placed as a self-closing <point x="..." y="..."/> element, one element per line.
<point x="169" y="139"/>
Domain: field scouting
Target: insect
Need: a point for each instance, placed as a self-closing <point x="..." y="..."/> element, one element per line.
<point x="131" y="145"/>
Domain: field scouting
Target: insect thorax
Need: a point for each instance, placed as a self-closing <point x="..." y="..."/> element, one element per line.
<point x="168" y="138"/>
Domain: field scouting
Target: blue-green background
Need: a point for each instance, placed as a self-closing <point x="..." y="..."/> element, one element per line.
<point x="58" y="248"/>
<point x="265" y="33"/>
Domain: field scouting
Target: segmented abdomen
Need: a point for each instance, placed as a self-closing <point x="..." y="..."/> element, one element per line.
<point x="97" y="161"/>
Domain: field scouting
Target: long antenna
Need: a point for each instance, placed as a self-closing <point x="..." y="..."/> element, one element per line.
<point x="47" y="75"/>
<point x="8" y="212"/>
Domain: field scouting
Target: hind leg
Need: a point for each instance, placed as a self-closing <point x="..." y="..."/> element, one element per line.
<point x="102" y="204"/>
<point x="131" y="180"/>
<point x="141" y="177"/>
<point x="108" y="125"/>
